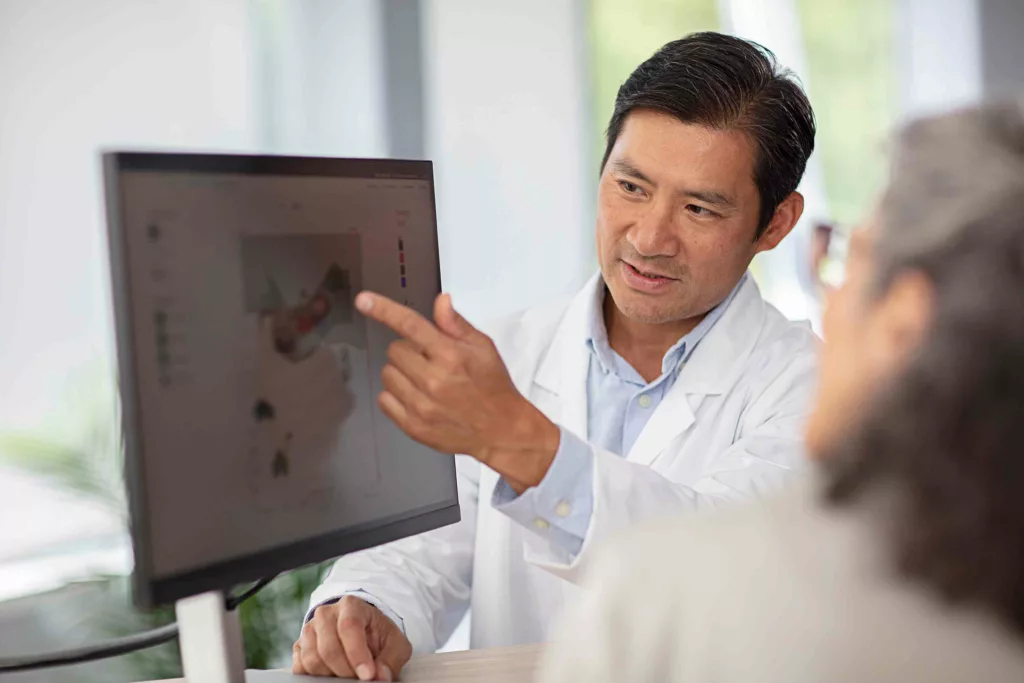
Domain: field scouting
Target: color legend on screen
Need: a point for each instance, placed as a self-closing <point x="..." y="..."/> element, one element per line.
<point x="401" y="260"/>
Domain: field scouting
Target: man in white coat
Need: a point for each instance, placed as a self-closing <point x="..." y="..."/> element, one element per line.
<point x="666" y="384"/>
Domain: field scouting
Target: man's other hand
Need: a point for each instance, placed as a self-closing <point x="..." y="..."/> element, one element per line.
<point x="351" y="639"/>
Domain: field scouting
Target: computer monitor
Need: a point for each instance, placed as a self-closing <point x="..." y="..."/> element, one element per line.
<point x="253" y="439"/>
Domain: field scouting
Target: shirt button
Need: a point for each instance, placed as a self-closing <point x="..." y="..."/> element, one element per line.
<point x="645" y="401"/>
<point x="541" y="524"/>
<point x="563" y="509"/>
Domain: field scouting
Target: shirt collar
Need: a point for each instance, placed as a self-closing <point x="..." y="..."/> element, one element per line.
<point x="675" y="357"/>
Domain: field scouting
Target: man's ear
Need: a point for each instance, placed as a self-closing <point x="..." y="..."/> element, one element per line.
<point x="787" y="213"/>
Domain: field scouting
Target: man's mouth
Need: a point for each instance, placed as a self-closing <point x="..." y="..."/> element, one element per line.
<point x="654" y="276"/>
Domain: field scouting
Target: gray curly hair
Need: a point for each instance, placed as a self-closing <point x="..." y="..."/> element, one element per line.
<point x="949" y="432"/>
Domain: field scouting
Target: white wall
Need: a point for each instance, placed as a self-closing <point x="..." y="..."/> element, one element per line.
<point x="76" y="77"/>
<point x="506" y="121"/>
<point x="321" y="77"/>
<point x="939" y="58"/>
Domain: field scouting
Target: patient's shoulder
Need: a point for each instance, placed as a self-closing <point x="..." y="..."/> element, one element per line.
<point x="739" y="593"/>
<point x="719" y="545"/>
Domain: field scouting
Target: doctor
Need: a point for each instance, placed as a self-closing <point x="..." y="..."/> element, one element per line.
<point x="666" y="384"/>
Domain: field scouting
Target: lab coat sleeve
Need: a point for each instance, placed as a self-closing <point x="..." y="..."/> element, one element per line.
<point x="365" y="597"/>
<point x="563" y="499"/>
<point x="425" y="579"/>
<point x="768" y="448"/>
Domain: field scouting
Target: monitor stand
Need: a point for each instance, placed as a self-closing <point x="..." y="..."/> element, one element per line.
<point x="210" y="638"/>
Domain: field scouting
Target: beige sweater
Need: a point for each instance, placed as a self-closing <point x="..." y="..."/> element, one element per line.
<point x="786" y="591"/>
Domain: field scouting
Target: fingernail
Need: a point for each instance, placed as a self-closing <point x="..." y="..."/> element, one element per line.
<point x="364" y="672"/>
<point x="385" y="672"/>
<point x="364" y="302"/>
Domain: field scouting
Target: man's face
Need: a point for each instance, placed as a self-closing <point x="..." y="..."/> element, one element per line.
<point x="677" y="214"/>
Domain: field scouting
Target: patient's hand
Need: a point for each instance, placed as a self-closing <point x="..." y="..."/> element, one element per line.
<point x="351" y="639"/>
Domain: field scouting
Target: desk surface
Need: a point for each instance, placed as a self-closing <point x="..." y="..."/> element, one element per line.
<point x="497" y="665"/>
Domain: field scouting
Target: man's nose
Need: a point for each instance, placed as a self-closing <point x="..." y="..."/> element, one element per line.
<point x="654" y="233"/>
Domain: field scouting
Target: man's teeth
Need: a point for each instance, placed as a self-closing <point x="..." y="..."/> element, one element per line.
<point x="649" y="276"/>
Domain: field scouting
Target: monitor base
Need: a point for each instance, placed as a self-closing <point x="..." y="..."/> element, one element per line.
<point x="210" y="638"/>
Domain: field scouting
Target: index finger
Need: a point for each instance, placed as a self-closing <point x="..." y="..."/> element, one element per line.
<point x="403" y="320"/>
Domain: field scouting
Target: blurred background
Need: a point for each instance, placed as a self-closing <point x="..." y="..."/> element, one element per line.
<point x="509" y="99"/>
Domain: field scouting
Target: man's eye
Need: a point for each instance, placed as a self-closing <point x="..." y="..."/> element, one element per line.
<point x="699" y="211"/>
<point x="630" y="188"/>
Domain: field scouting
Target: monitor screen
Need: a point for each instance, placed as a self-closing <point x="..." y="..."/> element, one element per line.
<point x="254" y="442"/>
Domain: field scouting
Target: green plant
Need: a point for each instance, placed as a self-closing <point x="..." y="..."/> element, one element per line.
<point x="81" y="452"/>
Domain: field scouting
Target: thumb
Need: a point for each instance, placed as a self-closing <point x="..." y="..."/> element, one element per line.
<point x="449" y="321"/>
<point x="393" y="656"/>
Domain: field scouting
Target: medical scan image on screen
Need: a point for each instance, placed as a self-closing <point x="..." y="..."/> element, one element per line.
<point x="257" y="379"/>
<point x="313" y="362"/>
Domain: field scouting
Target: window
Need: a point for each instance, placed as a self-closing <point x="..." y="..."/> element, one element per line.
<point x="851" y="80"/>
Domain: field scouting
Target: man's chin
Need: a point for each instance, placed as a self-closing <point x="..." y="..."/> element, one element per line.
<point x="648" y="314"/>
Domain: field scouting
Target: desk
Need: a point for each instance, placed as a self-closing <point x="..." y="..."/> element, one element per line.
<point x="496" y="665"/>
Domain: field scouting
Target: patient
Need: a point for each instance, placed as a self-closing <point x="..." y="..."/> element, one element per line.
<point x="903" y="558"/>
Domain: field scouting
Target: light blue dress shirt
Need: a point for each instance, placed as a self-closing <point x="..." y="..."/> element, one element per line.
<point x="619" y="403"/>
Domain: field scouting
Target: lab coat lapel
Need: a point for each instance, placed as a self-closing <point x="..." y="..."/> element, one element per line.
<point x="672" y="417"/>
<point x="712" y="369"/>
<point x="562" y="374"/>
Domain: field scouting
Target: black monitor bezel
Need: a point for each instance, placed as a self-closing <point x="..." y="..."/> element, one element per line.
<point x="151" y="590"/>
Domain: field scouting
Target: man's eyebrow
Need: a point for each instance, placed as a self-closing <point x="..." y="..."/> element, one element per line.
<point x="710" y="197"/>
<point x="627" y="168"/>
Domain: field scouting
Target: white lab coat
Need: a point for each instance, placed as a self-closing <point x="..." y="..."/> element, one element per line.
<point x="729" y="428"/>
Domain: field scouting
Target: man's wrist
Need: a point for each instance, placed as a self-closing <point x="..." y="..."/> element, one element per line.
<point x="525" y="455"/>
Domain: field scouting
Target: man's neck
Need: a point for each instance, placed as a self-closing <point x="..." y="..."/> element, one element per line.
<point x="643" y="345"/>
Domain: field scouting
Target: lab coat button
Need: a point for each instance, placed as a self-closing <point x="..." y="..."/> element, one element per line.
<point x="541" y="524"/>
<point x="645" y="401"/>
<point x="563" y="509"/>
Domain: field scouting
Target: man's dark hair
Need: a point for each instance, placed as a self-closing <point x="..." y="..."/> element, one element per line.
<point x="724" y="82"/>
